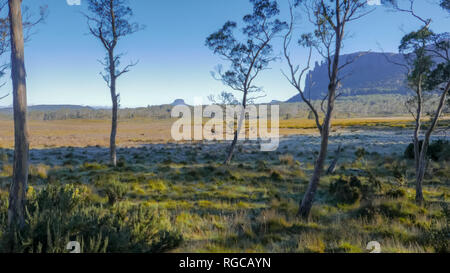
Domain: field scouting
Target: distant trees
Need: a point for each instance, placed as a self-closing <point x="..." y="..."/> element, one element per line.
<point x="427" y="62"/>
<point x="17" y="197"/>
<point x="329" y="19"/>
<point x="248" y="57"/>
<point x="109" y="22"/>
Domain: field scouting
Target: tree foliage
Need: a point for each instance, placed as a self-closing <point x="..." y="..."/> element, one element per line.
<point x="445" y="4"/>
<point x="109" y="21"/>
<point x="253" y="54"/>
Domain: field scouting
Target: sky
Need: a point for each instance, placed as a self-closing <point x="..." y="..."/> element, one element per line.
<point x="62" y="59"/>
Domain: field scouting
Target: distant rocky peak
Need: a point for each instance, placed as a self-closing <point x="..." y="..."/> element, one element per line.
<point x="178" y="102"/>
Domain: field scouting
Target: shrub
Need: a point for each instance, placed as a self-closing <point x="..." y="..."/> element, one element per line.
<point x="409" y="152"/>
<point x="287" y="160"/>
<point x="261" y="165"/>
<point x="399" y="172"/>
<point x="3" y="157"/>
<point x="39" y="171"/>
<point x="121" y="163"/>
<point x="438" y="150"/>
<point x="7" y="170"/>
<point x="276" y="176"/>
<point x="59" y="214"/>
<point x="66" y="198"/>
<point x="157" y="185"/>
<point x="390" y="209"/>
<point x="438" y="237"/>
<point x="94" y="166"/>
<point x="113" y="189"/>
<point x="360" y="153"/>
<point x="396" y="193"/>
<point x="346" y="191"/>
<point x="374" y="181"/>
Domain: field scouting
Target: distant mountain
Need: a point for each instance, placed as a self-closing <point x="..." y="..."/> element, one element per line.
<point x="368" y="74"/>
<point x="178" y="102"/>
<point x="48" y="108"/>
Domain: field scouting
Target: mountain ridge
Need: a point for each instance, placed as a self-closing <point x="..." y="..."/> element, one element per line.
<point x="369" y="73"/>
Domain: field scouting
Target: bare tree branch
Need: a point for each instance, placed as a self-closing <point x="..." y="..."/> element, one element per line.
<point x="4" y="96"/>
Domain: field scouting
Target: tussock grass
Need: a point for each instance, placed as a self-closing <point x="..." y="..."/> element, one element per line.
<point x="251" y="205"/>
<point x="141" y="131"/>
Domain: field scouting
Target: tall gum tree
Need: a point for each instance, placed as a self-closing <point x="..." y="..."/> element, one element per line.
<point x="329" y="19"/>
<point x="248" y="57"/>
<point x="427" y="63"/>
<point x="109" y="22"/>
<point x="17" y="196"/>
<point x="12" y="31"/>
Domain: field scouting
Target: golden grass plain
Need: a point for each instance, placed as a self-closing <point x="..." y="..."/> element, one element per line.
<point x="135" y="132"/>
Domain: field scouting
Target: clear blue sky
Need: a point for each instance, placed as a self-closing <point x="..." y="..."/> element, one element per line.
<point x="62" y="66"/>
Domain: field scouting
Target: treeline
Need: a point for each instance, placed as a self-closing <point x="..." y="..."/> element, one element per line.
<point x="346" y="107"/>
<point x="358" y="106"/>
<point x="155" y="112"/>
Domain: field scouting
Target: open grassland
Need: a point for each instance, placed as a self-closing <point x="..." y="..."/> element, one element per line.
<point x="180" y="198"/>
<point x="135" y="132"/>
<point x="83" y="133"/>
<point x="401" y="122"/>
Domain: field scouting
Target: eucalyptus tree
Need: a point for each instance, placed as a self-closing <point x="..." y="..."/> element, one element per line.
<point x="17" y="196"/>
<point x="12" y="38"/>
<point x="427" y="66"/>
<point x="424" y="77"/>
<point x="248" y="53"/>
<point x="109" y="22"/>
<point x="329" y="19"/>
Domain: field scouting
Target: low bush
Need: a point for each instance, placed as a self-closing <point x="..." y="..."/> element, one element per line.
<point x="287" y="159"/>
<point x="94" y="166"/>
<point x="390" y="209"/>
<point x="360" y="153"/>
<point x="438" y="150"/>
<point x="396" y="193"/>
<point x="59" y="214"/>
<point x="113" y="189"/>
<point x="262" y="166"/>
<point x="276" y="176"/>
<point x="346" y="191"/>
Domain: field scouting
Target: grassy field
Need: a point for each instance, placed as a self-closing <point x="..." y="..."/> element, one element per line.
<point x="134" y="132"/>
<point x="82" y="133"/>
<point x="203" y="206"/>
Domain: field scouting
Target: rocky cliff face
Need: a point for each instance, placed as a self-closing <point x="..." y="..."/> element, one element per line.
<point x="368" y="74"/>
